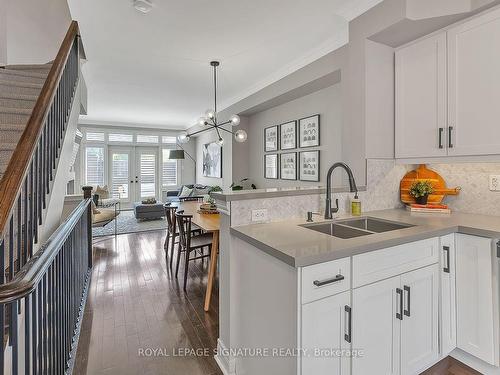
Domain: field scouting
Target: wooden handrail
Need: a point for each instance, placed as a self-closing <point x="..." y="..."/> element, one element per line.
<point x="14" y="175"/>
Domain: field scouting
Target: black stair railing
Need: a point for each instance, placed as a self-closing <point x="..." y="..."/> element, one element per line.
<point x="45" y="300"/>
<point x="41" y="287"/>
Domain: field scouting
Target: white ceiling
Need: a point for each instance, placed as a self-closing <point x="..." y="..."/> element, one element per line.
<point x="153" y="69"/>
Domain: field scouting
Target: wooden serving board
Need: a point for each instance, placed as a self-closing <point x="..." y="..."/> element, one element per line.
<point x="422" y="173"/>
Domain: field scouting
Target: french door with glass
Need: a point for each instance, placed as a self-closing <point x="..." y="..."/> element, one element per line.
<point x="133" y="173"/>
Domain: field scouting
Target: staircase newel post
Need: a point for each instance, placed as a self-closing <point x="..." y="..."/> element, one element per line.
<point x="87" y="194"/>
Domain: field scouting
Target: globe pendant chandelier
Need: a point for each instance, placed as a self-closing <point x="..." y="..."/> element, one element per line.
<point x="211" y="122"/>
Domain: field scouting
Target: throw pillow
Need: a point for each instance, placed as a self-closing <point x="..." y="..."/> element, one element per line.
<point x="95" y="211"/>
<point x="185" y="192"/>
<point x="102" y="191"/>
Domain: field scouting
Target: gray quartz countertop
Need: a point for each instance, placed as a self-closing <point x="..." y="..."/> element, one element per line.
<point x="229" y="195"/>
<point x="299" y="246"/>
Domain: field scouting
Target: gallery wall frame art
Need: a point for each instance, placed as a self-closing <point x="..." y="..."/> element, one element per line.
<point x="309" y="166"/>
<point x="288" y="166"/>
<point x="288" y="135"/>
<point x="271" y="138"/>
<point x="271" y="166"/>
<point x="309" y="131"/>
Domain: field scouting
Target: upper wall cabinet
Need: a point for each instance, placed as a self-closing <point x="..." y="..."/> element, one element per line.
<point x="474" y="86"/>
<point x="447" y="90"/>
<point x="421" y="98"/>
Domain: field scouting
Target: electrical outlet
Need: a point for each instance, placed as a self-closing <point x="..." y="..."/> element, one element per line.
<point x="259" y="215"/>
<point x="494" y="182"/>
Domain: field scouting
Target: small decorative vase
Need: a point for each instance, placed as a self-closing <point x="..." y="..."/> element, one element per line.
<point x="422" y="199"/>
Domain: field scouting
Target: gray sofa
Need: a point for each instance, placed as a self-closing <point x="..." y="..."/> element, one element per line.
<point x="199" y="191"/>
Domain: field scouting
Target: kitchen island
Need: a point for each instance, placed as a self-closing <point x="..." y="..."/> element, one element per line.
<point x="300" y="301"/>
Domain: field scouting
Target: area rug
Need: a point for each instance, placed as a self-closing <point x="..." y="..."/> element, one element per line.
<point x="127" y="223"/>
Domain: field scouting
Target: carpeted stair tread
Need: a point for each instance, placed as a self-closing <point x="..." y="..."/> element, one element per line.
<point x="14" y="116"/>
<point x="14" y="96"/>
<point x="19" y="88"/>
<point x="17" y="103"/>
<point x="21" y="84"/>
<point x="29" y="66"/>
<point x="22" y="78"/>
<point x="11" y="133"/>
<point x="23" y="73"/>
<point x="12" y="127"/>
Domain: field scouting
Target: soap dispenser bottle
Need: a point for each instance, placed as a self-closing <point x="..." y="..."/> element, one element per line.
<point x="356" y="206"/>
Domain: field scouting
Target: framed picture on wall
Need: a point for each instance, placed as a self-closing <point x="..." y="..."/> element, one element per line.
<point x="212" y="160"/>
<point x="288" y="135"/>
<point x="271" y="138"/>
<point x="288" y="166"/>
<point x="309" y="166"/>
<point x="271" y="166"/>
<point x="309" y="131"/>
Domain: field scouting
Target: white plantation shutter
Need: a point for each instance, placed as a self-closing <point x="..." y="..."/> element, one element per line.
<point x="120" y="175"/>
<point x="94" y="166"/>
<point x="94" y="137"/>
<point x="168" y="170"/>
<point x="118" y="137"/>
<point x="148" y="175"/>
<point x="143" y="138"/>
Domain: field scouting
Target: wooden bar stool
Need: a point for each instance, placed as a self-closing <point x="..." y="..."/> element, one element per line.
<point x="189" y="243"/>
<point x="173" y="232"/>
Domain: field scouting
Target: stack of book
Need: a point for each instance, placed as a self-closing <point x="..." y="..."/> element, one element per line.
<point x="429" y="208"/>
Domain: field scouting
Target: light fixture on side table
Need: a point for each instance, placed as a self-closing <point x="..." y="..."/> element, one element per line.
<point x="210" y="120"/>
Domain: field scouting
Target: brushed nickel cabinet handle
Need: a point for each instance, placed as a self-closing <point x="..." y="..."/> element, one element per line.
<point x="450" y="132"/>
<point x="441" y="130"/>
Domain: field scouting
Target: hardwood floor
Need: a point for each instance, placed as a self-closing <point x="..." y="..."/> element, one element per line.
<point x="137" y="308"/>
<point x="450" y="366"/>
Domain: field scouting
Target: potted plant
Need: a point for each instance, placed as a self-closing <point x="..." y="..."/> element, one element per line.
<point x="420" y="190"/>
<point x="241" y="185"/>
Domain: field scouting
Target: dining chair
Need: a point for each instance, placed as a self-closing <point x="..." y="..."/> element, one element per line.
<point x="189" y="243"/>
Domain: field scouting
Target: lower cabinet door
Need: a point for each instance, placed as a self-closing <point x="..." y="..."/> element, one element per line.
<point x="477" y="298"/>
<point x="325" y="336"/>
<point x="376" y="328"/>
<point x="448" y="316"/>
<point x="419" y="327"/>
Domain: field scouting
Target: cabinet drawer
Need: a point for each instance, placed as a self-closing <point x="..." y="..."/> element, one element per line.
<point x="381" y="264"/>
<point x="325" y="279"/>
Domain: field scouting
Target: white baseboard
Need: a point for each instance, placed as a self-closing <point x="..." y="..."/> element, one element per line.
<point x="226" y="362"/>
<point x="475" y="363"/>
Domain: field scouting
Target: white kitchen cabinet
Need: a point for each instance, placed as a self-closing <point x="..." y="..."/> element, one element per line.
<point x="326" y="325"/>
<point x="474" y="86"/>
<point x="477" y="297"/>
<point x="421" y="98"/>
<point x="419" y="327"/>
<point x="446" y="90"/>
<point x="375" y="328"/>
<point x="395" y="323"/>
<point x="448" y="319"/>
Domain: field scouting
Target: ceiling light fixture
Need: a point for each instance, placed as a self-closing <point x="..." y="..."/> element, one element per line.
<point x="210" y="120"/>
<point x="143" y="6"/>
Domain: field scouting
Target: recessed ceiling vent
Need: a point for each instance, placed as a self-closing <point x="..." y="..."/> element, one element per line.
<point x="143" y="6"/>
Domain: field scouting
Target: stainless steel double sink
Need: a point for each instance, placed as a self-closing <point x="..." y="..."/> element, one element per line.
<point x="350" y="228"/>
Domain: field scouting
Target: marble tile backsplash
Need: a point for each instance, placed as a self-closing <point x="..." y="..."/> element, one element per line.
<point x="475" y="196"/>
<point x="383" y="177"/>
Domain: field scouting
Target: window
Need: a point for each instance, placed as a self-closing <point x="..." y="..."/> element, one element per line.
<point x="94" y="166"/>
<point x="142" y="138"/>
<point x="94" y="137"/>
<point x="168" y="139"/>
<point x="117" y="137"/>
<point x="168" y="170"/>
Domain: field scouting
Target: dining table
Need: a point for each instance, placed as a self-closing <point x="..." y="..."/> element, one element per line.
<point x="208" y="222"/>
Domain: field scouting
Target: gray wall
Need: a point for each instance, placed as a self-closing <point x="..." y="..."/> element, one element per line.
<point x="3" y="32"/>
<point x="326" y="102"/>
<point x="35" y="29"/>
